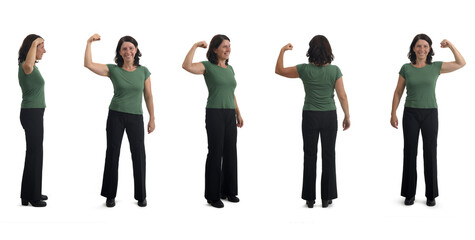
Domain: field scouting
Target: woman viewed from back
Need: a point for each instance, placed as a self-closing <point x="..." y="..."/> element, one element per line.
<point x="320" y="80"/>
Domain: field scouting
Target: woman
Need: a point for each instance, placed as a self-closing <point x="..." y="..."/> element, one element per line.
<point x="420" y="113"/>
<point x="130" y="80"/>
<point x="320" y="80"/>
<point x="31" y="117"/>
<point x="222" y="112"/>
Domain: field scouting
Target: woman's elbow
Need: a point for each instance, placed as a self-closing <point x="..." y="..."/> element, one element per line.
<point x="186" y="66"/>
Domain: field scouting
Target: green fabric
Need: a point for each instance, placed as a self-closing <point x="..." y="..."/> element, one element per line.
<point x="319" y="85"/>
<point x="221" y="84"/>
<point x="32" y="88"/>
<point x="128" y="88"/>
<point x="420" y="84"/>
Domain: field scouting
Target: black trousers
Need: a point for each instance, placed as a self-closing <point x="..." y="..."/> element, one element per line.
<point x="117" y="122"/>
<point x="315" y="123"/>
<point x="427" y="122"/>
<point x="221" y="163"/>
<point x="32" y="121"/>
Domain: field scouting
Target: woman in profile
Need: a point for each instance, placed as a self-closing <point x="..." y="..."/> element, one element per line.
<point x="131" y="82"/>
<point x="320" y="79"/>
<point x="420" y="113"/>
<point x="31" y="117"/>
<point x="222" y="117"/>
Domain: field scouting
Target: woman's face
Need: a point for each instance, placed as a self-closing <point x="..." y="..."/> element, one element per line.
<point x="128" y="51"/>
<point x="40" y="50"/>
<point x="223" y="50"/>
<point x="421" y="49"/>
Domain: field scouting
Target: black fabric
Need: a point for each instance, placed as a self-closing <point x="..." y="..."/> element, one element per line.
<point x="426" y="121"/>
<point x="221" y="162"/>
<point x="323" y="124"/>
<point x="32" y="122"/>
<point x="133" y="124"/>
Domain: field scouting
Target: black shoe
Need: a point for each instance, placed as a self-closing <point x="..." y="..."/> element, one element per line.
<point x="142" y="203"/>
<point x="310" y="203"/>
<point x="216" y="203"/>
<point x="325" y="203"/>
<point x="44" y="197"/>
<point x="110" y="202"/>
<point x="37" y="203"/>
<point x="430" y="202"/>
<point x="233" y="199"/>
<point x="409" y="201"/>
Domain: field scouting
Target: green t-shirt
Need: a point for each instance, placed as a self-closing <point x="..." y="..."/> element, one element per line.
<point x="319" y="85"/>
<point x="128" y="88"/>
<point x="420" y="84"/>
<point x="221" y="84"/>
<point x="32" y="88"/>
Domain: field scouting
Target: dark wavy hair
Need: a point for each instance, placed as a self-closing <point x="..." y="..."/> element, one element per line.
<point x="118" y="59"/>
<point x="215" y="42"/>
<point x="25" y="47"/>
<point x="319" y="51"/>
<point x="412" y="55"/>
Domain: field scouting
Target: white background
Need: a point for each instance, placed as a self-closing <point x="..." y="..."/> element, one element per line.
<point x="370" y="40"/>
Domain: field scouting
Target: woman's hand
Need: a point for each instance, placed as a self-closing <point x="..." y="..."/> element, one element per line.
<point x="151" y="126"/>
<point x="239" y="120"/>
<point x="38" y="41"/>
<point x="394" y="121"/>
<point x="346" y="123"/>
<point x="287" y="47"/>
<point x="201" y="44"/>
<point x="93" y="38"/>
<point x="445" y="43"/>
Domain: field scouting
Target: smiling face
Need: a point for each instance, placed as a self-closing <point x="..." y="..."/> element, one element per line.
<point x="40" y="50"/>
<point x="421" y="49"/>
<point x="223" y="51"/>
<point x="128" y="51"/>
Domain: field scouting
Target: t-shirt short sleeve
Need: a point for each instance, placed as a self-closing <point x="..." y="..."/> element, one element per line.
<point x="438" y="66"/>
<point x="147" y="73"/>
<point x="111" y="67"/>
<point x="206" y="64"/>
<point x="338" y="73"/>
<point x="300" y="68"/>
<point x="402" y="72"/>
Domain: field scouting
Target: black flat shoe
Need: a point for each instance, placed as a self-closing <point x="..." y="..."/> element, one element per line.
<point x="142" y="203"/>
<point x="110" y="202"/>
<point x="430" y="202"/>
<point x="409" y="201"/>
<point x="310" y="203"/>
<point x="37" y="203"/>
<point x="216" y="203"/>
<point x="233" y="199"/>
<point x="44" y="197"/>
<point x="325" y="203"/>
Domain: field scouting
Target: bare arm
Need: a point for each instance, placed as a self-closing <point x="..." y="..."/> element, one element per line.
<point x="290" y="72"/>
<point x="30" y="60"/>
<point x="240" y="122"/>
<point x="149" y="102"/>
<point x="341" y="93"/>
<point x="459" y="60"/>
<point x="97" y="68"/>
<point x="401" y="85"/>
<point x="189" y="65"/>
